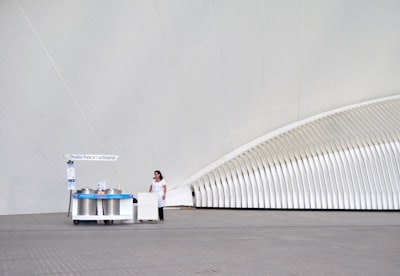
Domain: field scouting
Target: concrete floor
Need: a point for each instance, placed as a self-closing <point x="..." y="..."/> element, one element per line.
<point x="205" y="242"/>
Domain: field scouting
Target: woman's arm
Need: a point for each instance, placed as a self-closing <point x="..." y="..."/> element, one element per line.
<point x="165" y="191"/>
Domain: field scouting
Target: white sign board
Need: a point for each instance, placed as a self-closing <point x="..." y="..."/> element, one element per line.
<point x="91" y="157"/>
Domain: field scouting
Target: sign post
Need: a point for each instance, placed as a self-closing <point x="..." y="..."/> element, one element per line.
<point x="71" y="182"/>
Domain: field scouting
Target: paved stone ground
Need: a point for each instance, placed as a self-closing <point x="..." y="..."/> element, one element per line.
<point x="205" y="242"/>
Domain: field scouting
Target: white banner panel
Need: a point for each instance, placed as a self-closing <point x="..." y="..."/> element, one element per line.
<point x="92" y="157"/>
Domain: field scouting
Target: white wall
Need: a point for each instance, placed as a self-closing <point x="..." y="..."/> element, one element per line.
<point x="172" y="85"/>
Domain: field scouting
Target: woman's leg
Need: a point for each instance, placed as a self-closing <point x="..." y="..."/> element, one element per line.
<point x="161" y="213"/>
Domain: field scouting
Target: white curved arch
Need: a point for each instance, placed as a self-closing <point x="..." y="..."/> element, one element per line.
<point x="345" y="159"/>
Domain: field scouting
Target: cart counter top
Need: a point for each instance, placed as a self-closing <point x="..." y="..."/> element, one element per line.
<point x="103" y="196"/>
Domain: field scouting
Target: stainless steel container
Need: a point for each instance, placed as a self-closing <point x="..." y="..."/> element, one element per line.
<point x="86" y="207"/>
<point x="111" y="206"/>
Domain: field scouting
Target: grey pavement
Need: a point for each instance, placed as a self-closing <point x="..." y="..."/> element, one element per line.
<point x="205" y="242"/>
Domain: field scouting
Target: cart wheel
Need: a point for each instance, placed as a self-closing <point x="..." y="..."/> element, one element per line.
<point x="76" y="222"/>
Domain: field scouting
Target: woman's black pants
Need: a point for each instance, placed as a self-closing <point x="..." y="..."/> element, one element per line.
<point x="161" y="213"/>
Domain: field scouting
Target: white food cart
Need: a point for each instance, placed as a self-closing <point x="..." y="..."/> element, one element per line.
<point x="103" y="207"/>
<point x="106" y="205"/>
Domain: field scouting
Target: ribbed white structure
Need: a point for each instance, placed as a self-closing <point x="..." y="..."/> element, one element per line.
<point x="347" y="159"/>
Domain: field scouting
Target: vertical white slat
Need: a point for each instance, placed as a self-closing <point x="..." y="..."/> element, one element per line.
<point x="343" y="197"/>
<point x="354" y="183"/>
<point x="275" y="178"/>
<point x="309" y="183"/>
<point x="305" y="183"/>
<point x="386" y="171"/>
<point x="293" y="155"/>
<point x="347" y="186"/>
<point x="274" y="188"/>
<point x="235" y="180"/>
<point x="282" y="195"/>
<point x="323" y="178"/>
<point x="378" y="169"/>
<point x="316" y="186"/>
<point x="324" y="171"/>
<point x="263" y="179"/>
<point x="243" y="188"/>
<point x="362" y="178"/>
<point x="348" y="126"/>
<point x="365" y="167"/>
<point x="230" y="186"/>
<point x="299" y="183"/>
<point x="313" y="161"/>
<point x="335" y="178"/>
<point x="270" y="188"/>
<point x="203" y="193"/>
<point x="227" y="196"/>
<point x="214" y="190"/>
<point x="251" y="174"/>
<point x="277" y="188"/>
<point x="197" y="194"/>
<point x="294" y="195"/>
<point x="207" y="186"/>
<point x="220" y="190"/>
<point x="383" y="162"/>
<point x="246" y="178"/>
<point x="331" y="199"/>
<point x="396" y="168"/>
<point x="256" y="171"/>
<point x="300" y="172"/>
<point x="338" y="145"/>
<point x="266" y="174"/>
<point x="367" y="180"/>
<point x="275" y="150"/>
<point x="287" y="185"/>
<point x="393" y="175"/>
<point x="373" y="176"/>
<point x="281" y="185"/>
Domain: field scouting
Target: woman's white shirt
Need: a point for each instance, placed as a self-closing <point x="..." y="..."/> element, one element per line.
<point x="158" y="187"/>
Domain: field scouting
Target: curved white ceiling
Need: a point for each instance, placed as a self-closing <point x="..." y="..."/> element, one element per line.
<point x="172" y="85"/>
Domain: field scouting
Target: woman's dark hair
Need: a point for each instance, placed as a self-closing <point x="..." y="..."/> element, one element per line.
<point x="157" y="171"/>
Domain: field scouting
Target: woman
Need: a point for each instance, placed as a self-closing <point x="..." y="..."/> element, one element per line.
<point x="159" y="186"/>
